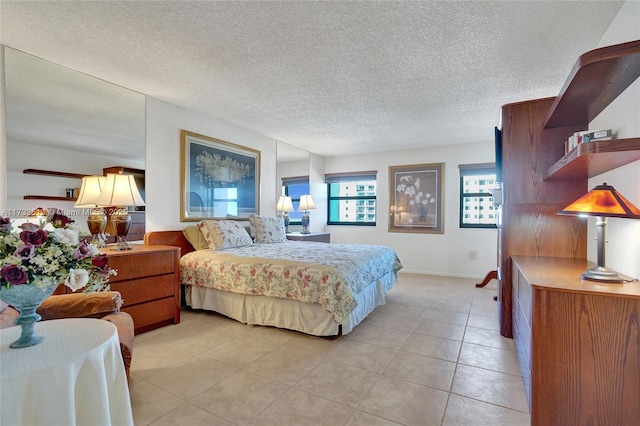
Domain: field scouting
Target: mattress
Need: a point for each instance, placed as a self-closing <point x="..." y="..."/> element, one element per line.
<point x="332" y="276"/>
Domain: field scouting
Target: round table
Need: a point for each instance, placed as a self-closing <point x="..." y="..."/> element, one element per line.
<point x="75" y="377"/>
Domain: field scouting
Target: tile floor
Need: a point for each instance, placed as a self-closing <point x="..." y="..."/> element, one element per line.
<point x="431" y="356"/>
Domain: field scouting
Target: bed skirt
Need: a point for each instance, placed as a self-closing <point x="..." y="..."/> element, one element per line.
<point x="286" y="313"/>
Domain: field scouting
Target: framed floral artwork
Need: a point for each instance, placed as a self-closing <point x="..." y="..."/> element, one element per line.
<point x="218" y="179"/>
<point x="415" y="198"/>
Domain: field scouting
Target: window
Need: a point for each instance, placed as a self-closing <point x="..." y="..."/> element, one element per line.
<point x="294" y="187"/>
<point x="477" y="182"/>
<point x="355" y="190"/>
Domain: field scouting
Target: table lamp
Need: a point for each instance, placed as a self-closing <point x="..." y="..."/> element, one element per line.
<point x="603" y="201"/>
<point x="285" y="206"/>
<point x="88" y="198"/>
<point x="306" y="205"/>
<point x="120" y="190"/>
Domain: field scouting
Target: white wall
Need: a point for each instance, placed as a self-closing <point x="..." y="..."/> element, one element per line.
<point x="623" y="235"/>
<point x="318" y="192"/>
<point x="439" y="254"/>
<point x="164" y="122"/>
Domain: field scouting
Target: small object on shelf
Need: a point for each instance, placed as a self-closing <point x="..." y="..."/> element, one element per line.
<point x="598" y="135"/>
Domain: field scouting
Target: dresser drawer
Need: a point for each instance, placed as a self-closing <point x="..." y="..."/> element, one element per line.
<point x="136" y="265"/>
<point x="145" y="289"/>
<point x="152" y="315"/>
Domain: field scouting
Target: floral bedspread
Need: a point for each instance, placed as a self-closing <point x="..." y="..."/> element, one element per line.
<point x="326" y="274"/>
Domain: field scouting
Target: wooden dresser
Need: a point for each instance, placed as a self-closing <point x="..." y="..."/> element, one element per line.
<point x="149" y="281"/>
<point x="578" y="343"/>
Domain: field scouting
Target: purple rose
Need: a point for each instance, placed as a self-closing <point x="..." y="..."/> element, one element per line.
<point x="60" y="221"/>
<point x="36" y="238"/>
<point x="14" y="275"/>
<point x="82" y="251"/>
<point x="5" y="224"/>
<point x="28" y="226"/>
<point x="26" y="251"/>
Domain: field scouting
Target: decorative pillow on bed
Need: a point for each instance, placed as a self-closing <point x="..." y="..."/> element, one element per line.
<point x="223" y="234"/>
<point x="268" y="229"/>
<point x="195" y="237"/>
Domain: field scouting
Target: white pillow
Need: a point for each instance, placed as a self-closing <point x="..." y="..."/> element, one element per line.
<point x="3" y="305"/>
<point x="223" y="234"/>
<point x="268" y="229"/>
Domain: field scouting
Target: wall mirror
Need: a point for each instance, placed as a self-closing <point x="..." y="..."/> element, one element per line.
<point x="291" y="174"/>
<point x="61" y="120"/>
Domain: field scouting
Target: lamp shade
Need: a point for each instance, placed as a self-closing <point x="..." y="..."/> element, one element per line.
<point x="604" y="201"/>
<point x="306" y="203"/>
<point x="284" y="204"/>
<point x="120" y="190"/>
<point x="90" y="191"/>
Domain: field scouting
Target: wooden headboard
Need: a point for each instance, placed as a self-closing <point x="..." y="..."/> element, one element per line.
<point x="169" y="238"/>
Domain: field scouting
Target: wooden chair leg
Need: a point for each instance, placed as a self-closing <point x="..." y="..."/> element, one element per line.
<point x="492" y="275"/>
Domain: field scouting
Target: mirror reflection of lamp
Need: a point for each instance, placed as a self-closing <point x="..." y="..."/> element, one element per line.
<point x="603" y="201"/>
<point x="306" y="205"/>
<point x="121" y="191"/>
<point x="40" y="214"/>
<point x="396" y="213"/>
<point x="88" y="198"/>
<point x="285" y="206"/>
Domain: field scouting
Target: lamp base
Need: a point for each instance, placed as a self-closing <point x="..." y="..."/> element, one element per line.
<point x="96" y="223"/>
<point x="602" y="274"/>
<point x="305" y="223"/>
<point x="121" y="222"/>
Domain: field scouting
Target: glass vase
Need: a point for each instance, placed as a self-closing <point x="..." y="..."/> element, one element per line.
<point x="26" y="298"/>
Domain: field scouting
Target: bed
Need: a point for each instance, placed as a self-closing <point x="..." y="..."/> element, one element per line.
<point x="315" y="288"/>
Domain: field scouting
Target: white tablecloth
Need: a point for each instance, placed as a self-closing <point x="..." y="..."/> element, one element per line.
<point x="75" y="377"/>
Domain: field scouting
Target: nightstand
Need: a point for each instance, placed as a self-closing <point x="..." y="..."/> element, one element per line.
<point x="320" y="237"/>
<point x="149" y="281"/>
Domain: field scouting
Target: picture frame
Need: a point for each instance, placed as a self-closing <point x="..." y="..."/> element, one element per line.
<point x="219" y="179"/>
<point x="416" y="198"/>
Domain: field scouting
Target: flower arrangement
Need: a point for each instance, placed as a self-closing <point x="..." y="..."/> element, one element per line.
<point x="416" y="197"/>
<point x="43" y="258"/>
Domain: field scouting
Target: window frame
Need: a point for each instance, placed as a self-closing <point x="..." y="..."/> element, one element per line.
<point x="475" y="170"/>
<point x="351" y="177"/>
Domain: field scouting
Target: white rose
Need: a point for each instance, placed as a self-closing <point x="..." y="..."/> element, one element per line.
<point x="66" y="236"/>
<point x="77" y="279"/>
<point x="94" y="251"/>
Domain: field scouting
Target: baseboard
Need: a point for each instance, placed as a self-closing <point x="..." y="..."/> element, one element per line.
<point x="439" y="274"/>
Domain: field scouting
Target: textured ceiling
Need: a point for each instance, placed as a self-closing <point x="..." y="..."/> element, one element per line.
<point x="330" y="77"/>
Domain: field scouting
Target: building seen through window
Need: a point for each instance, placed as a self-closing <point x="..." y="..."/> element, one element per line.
<point x="352" y="199"/>
<point x="477" y="209"/>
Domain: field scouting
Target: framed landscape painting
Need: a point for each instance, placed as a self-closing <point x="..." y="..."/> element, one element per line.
<point x="415" y="198"/>
<point x="218" y="179"/>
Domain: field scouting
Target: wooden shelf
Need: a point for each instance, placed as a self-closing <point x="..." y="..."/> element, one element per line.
<point x="47" y="197"/>
<point x="53" y="173"/>
<point x="593" y="158"/>
<point x="597" y="78"/>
